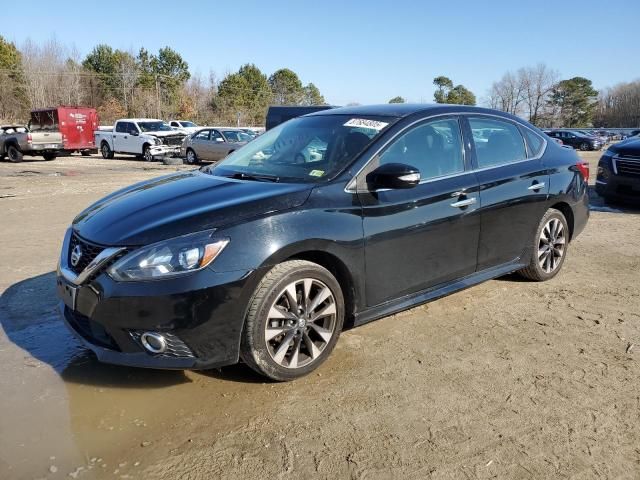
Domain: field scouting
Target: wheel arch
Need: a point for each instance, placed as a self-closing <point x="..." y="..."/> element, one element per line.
<point x="567" y="211"/>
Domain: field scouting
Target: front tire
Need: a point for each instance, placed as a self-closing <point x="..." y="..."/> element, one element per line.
<point x="584" y="146"/>
<point x="294" y="320"/>
<point x="146" y="153"/>
<point x="549" y="248"/>
<point x="191" y="157"/>
<point x="14" y="154"/>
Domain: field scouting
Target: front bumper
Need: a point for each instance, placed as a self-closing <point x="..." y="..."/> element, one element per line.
<point x="203" y="313"/>
<point x="164" y="150"/>
<point x="611" y="183"/>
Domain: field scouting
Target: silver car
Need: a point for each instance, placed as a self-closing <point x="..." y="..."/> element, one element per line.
<point x="212" y="143"/>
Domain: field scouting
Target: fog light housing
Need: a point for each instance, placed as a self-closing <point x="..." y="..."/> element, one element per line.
<point x="153" y="342"/>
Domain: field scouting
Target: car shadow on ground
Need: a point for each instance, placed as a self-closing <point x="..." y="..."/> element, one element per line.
<point x="599" y="204"/>
<point x="30" y="319"/>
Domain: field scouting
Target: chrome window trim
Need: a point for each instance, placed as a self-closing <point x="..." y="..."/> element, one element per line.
<point x="351" y="185"/>
<point x="63" y="266"/>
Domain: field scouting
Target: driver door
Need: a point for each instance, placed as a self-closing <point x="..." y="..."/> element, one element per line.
<point x="420" y="237"/>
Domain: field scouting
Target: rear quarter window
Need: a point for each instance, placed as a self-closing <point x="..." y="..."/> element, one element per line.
<point x="534" y="142"/>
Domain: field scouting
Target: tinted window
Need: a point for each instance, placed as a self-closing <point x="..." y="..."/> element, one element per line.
<point x="434" y="148"/>
<point x="122" y="127"/>
<point x="534" y="142"/>
<point x="504" y="142"/>
<point x="203" y="135"/>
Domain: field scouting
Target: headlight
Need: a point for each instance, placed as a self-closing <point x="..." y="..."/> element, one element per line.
<point x="157" y="141"/>
<point x="169" y="258"/>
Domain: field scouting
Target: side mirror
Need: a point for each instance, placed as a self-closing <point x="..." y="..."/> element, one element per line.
<point x="394" y="175"/>
<point x="134" y="133"/>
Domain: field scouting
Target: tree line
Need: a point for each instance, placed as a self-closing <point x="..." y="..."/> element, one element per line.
<point x="123" y="83"/>
<point x="142" y="84"/>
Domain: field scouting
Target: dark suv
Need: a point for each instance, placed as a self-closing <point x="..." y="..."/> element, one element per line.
<point x="576" y="139"/>
<point x="619" y="171"/>
<point x="336" y="218"/>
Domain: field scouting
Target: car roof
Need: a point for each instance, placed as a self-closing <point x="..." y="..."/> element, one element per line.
<point x="139" y="120"/>
<point x="406" y="109"/>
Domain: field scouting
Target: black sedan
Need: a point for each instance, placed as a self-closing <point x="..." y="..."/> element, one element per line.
<point x="577" y="140"/>
<point x="329" y="220"/>
<point x="619" y="171"/>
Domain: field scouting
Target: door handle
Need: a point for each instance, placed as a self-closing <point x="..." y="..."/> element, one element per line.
<point x="536" y="186"/>
<point x="464" y="203"/>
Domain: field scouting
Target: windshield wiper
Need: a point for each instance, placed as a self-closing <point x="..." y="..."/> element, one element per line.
<point x="255" y="177"/>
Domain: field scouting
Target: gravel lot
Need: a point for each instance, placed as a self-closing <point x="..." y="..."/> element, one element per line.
<point x="508" y="379"/>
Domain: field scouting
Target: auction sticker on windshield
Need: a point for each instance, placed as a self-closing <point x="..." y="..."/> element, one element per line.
<point x="364" y="123"/>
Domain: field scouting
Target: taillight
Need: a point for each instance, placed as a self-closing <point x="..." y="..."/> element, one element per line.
<point x="583" y="168"/>
<point x="29" y="138"/>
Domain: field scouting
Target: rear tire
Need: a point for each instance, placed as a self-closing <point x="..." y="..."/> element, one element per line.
<point x="49" y="156"/>
<point x="549" y="247"/>
<point x="584" y="146"/>
<point x="294" y="320"/>
<point x="14" y="154"/>
<point x="106" y="151"/>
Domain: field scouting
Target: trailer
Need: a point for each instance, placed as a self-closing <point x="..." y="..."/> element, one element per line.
<point x="76" y="124"/>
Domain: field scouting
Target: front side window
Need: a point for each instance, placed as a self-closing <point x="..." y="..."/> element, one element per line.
<point x="434" y="148"/>
<point x="305" y="149"/>
<point x="504" y="142"/>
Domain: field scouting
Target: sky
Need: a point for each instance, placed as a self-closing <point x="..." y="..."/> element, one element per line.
<point x="356" y="51"/>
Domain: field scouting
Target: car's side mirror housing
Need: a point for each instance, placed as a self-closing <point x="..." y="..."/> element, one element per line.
<point x="394" y="176"/>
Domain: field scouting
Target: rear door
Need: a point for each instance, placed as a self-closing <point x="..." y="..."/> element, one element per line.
<point x="427" y="235"/>
<point x="514" y="187"/>
<point x="121" y="136"/>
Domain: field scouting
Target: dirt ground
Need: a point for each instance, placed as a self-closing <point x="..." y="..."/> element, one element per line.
<point x="508" y="379"/>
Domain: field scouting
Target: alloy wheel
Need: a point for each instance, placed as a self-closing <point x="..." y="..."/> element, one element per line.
<point x="191" y="156"/>
<point x="301" y="323"/>
<point x="105" y="151"/>
<point x="147" y="154"/>
<point x="551" y="245"/>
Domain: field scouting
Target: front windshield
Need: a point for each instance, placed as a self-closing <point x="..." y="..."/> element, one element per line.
<point x="236" y="136"/>
<point x="154" y="127"/>
<point x="305" y="149"/>
<point x="188" y="124"/>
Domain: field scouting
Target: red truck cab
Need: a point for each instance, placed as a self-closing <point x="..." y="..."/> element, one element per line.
<point x="76" y="124"/>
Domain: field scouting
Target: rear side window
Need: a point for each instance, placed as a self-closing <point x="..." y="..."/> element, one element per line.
<point x="122" y="127"/>
<point x="434" y="148"/>
<point x="496" y="142"/>
<point x="534" y="142"/>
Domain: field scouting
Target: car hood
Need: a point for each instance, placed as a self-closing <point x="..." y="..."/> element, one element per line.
<point x="172" y="133"/>
<point x="630" y="146"/>
<point x="179" y="204"/>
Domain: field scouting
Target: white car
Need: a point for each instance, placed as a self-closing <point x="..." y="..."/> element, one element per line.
<point x="145" y="137"/>
<point x="185" y="126"/>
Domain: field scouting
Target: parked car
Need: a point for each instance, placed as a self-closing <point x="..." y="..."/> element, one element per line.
<point x="278" y="114"/>
<point x="263" y="258"/>
<point x="16" y="141"/>
<point x="76" y="125"/>
<point x="144" y="137"/>
<point x="213" y="144"/>
<point x="619" y="171"/>
<point x="576" y="140"/>
<point x="185" y="126"/>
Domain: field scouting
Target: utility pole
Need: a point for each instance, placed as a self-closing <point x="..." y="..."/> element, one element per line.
<point x="157" y="98"/>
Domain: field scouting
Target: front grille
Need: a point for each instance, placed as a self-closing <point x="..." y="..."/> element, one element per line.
<point x="176" y="348"/>
<point x="628" y="166"/>
<point x="91" y="331"/>
<point x="173" y="140"/>
<point x="89" y="252"/>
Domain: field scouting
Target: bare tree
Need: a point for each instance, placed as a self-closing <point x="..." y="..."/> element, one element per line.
<point x="619" y="106"/>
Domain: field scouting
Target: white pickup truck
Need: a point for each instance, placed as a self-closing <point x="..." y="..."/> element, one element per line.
<point x="144" y="137"/>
